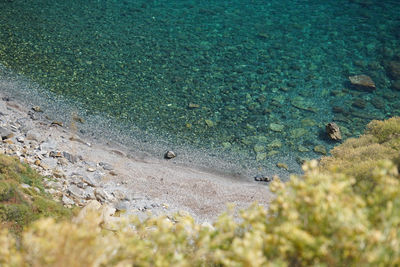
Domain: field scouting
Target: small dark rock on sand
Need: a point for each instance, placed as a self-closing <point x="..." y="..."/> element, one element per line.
<point x="169" y="154"/>
<point x="37" y="109"/>
<point x="263" y="178"/>
<point x="59" y="123"/>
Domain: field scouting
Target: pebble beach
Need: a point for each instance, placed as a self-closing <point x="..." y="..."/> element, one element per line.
<point x="77" y="170"/>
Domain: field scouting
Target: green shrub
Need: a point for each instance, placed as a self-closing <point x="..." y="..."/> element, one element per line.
<point x="6" y="191"/>
<point x="21" y="206"/>
<point x="358" y="157"/>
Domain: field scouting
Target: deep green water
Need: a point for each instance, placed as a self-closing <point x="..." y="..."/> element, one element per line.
<point x="265" y="76"/>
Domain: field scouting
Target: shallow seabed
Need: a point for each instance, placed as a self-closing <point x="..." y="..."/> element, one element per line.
<point x="249" y="81"/>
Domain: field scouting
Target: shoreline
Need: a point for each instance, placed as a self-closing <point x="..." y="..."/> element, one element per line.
<point x="143" y="143"/>
<point x="134" y="182"/>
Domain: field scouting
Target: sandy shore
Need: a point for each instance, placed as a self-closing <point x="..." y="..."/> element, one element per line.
<point x="82" y="170"/>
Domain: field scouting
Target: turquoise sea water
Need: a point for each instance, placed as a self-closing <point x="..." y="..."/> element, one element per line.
<point x="253" y="82"/>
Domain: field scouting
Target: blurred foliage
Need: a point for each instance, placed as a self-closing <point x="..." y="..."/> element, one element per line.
<point x="358" y="157"/>
<point x="344" y="211"/>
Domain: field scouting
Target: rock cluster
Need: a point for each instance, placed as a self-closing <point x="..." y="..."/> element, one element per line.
<point x="70" y="177"/>
<point x="263" y="178"/>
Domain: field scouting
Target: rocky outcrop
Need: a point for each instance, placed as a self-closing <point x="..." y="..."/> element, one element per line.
<point x="68" y="176"/>
<point x="333" y="131"/>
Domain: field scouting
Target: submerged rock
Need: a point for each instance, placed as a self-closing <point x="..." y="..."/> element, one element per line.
<point x="333" y="131"/>
<point x="259" y="148"/>
<point x="362" y="82"/>
<point x="276" y="127"/>
<point x="303" y="104"/>
<point x="193" y="106"/>
<point x="396" y="85"/>
<point x="393" y="69"/>
<point x="378" y="102"/>
<point x="320" y="149"/>
<point x="275" y="144"/>
<point x="302" y="148"/>
<point x="282" y="166"/>
<point x="359" y="103"/>
<point x="298" y="132"/>
<point x="210" y="123"/>
<point x="261" y="156"/>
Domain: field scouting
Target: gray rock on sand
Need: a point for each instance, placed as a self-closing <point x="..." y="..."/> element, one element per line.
<point x="25" y="124"/>
<point x="34" y="135"/>
<point x="89" y="193"/>
<point x="71" y="158"/>
<point x="50" y="163"/>
<point x="333" y="131"/>
<point x="121" y="206"/>
<point x="3" y="109"/>
<point x="54" y="185"/>
<point x="119" y="195"/>
<point x="77" y="192"/>
<point x="5" y="133"/>
<point x="48" y="145"/>
<point x="67" y="201"/>
<point x="55" y="154"/>
<point x="106" y="166"/>
<point x="33" y="115"/>
<point x="90" y="181"/>
<point x="97" y="177"/>
<point x="102" y="196"/>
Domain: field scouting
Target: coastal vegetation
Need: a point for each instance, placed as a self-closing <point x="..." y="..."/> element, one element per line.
<point x="22" y="196"/>
<point x="343" y="211"/>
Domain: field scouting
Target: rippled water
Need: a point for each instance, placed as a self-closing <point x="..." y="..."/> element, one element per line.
<point x="249" y="81"/>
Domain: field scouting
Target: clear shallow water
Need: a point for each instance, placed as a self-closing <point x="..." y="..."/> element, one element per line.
<point x="265" y="76"/>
